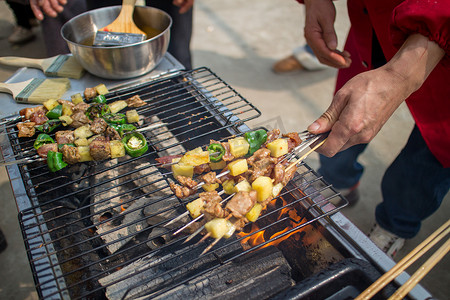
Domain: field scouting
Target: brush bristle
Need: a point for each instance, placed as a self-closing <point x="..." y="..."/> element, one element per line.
<point x="40" y="90"/>
<point x="65" y="66"/>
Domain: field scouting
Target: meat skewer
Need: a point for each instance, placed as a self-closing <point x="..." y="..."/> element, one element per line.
<point x="291" y="165"/>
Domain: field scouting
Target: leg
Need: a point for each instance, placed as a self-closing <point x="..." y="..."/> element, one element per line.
<point x="181" y="31"/>
<point x="343" y="170"/>
<point x="413" y="188"/>
<point x="51" y="27"/>
<point x="23" y="14"/>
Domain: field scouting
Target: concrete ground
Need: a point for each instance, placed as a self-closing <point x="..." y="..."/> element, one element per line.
<point x="239" y="40"/>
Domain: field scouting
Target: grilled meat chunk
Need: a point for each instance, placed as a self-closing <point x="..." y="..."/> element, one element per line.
<point x="241" y="203"/>
<point x="70" y="154"/>
<point x="293" y="140"/>
<point x="258" y="155"/>
<point x="202" y="169"/>
<point x="79" y="119"/>
<point x="66" y="102"/>
<point x="43" y="150"/>
<point x="38" y="117"/>
<point x="135" y="101"/>
<point x="289" y="174"/>
<point x="187" y="181"/>
<point x="90" y="93"/>
<point x="212" y="207"/>
<point x="112" y="134"/>
<point x="27" y="112"/>
<point x="181" y="191"/>
<point x="167" y="159"/>
<point x="210" y="178"/>
<point x="26" y="129"/>
<point x="278" y="173"/>
<point x="99" y="148"/>
<point x="64" y="137"/>
<point x="98" y="126"/>
<point x="262" y="167"/>
<point x="82" y="106"/>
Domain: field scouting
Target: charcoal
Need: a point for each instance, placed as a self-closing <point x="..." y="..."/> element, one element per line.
<point x="117" y="235"/>
<point x="72" y="238"/>
<point x="168" y="267"/>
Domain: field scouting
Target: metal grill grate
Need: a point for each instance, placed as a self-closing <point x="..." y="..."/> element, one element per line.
<point x="88" y="221"/>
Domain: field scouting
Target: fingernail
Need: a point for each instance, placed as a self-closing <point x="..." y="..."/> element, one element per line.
<point x="314" y="127"/>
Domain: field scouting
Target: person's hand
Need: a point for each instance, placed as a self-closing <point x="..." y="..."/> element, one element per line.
<point x="184" y="5"/>
<point x="359" y="110"/>
<point x="320" y="34"/>
<point x="364" y="104"/>
<point x="49" y="7"/>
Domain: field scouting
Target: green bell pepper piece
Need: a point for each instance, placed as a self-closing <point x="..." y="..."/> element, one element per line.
<point x="62" y="145"/>
<point x="115" y="118"/>
<point x="97" y="110"/>
<point x="55" y="161"/>
<point x="135" y="144"/>
<point x="99" y="99"/>
<point x="49" y="126"/>
<point x="255" y="139"/>
<point x="126" y="128"/>
<point x="55" y="113"/>
<point x="215" y="148"/>
<point x="41" y="140"/>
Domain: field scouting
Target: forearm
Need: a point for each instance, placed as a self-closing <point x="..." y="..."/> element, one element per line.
<point x="414" y="61"/>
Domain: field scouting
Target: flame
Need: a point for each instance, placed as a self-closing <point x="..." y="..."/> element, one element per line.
<point x="122" y="208"/>
<point x="254" y="238"/>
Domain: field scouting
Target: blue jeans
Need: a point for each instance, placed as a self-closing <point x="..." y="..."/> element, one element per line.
<point x="412" y="187"/>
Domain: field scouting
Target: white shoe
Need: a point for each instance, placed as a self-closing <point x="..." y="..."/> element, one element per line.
<point x="385" y="240"/>
<point x="21" y="35"/>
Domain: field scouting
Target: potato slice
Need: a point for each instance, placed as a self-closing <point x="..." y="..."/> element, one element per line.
<point x="117" y="148"/>
<point x="243" y="186"/>
<point x="238" y="167"/>
<point x="51" y="104"/>
<point x="83" y="132"/>
<point x="117" y="106"/>
<point x="181" y="169"/>
<point x="195" y="207"/>
<point x="209" y="187"/>
<point x="195" y="157"/>
<point x="276" y="190"/>
<point x="132" y="116"/>
<point x="217" y="227"/>
<point x="228" y="187"/>
<point x="263" y="186"/>
<point x="238" y="146"/>
<point x="278" y="147"/>
<point x="85" y="155"/>
<point x="254" y="213"/>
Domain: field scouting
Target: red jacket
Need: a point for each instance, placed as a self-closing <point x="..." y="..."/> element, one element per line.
<point x="393" y="21"/>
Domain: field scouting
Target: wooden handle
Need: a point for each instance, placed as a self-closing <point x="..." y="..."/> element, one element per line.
<point x="405" y="262"/>
<point x="21" y="61"/>
<point x="421" y="272"/>
<point x="124" y="22"/>
<point x="13" y="88"/>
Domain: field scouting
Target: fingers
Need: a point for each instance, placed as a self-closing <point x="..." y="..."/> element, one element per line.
<point x="36" y="10"/>
<point x="184" y="5"/>
<point x="49" y="7"/>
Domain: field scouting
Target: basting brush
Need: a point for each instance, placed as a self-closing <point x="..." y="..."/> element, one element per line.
<point x="36" y="90"/>
<point x="56" y="66"/>
<point x="122" y="30"/>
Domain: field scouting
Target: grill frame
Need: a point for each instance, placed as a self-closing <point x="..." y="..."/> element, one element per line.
<point x="26" y="201"/>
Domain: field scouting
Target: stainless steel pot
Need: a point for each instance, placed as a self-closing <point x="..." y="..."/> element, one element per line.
<point x="117" y="62"/>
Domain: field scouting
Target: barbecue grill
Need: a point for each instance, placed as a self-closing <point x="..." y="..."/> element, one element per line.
<point x="106" y="229"/>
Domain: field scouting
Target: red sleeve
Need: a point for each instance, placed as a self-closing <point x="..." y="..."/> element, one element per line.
<point x="430" y="18"/>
